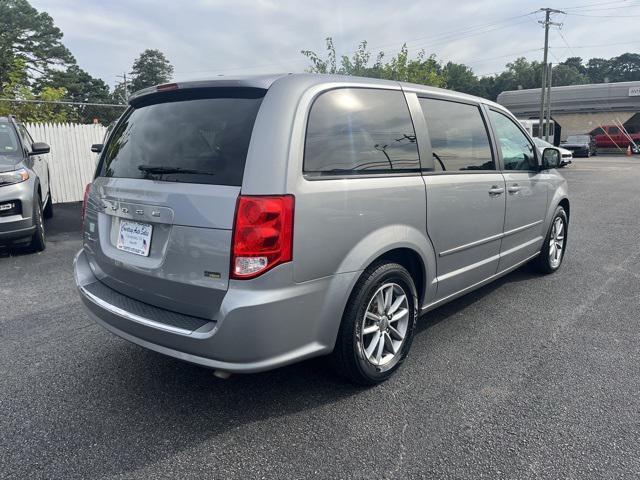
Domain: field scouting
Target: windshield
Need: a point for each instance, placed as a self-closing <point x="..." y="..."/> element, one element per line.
<point x="578" y="139"/>
<point x="9" y="146"/>
<point x="189" y="138"/>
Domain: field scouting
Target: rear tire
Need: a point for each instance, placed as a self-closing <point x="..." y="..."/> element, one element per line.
<point x="38" y="240"/>
<point x="555" y="244"/>
<point x="377" y="326"/>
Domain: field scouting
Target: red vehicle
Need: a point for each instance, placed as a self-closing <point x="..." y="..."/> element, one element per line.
<point x="612" y="136"/>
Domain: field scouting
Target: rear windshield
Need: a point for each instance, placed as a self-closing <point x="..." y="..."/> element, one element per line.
<point x="191" y="137"/>
<point x="9" y="146"/>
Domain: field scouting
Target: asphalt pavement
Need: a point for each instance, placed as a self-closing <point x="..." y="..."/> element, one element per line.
<point x="530" y="377"/>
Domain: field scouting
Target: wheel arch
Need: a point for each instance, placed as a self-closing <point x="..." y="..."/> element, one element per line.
<point x="412" y="261"/>
<point x="404" y="244"/>
<point x="564" y="203"/>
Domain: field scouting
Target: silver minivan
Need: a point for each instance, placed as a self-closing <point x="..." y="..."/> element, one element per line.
<point x="245" y="224"/>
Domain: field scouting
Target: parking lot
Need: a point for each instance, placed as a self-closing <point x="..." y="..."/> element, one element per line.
<point x="532" y="376"/>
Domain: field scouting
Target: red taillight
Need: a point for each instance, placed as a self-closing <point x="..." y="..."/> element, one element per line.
<point x="262" y="234"/>
<point x="87" y="189"/>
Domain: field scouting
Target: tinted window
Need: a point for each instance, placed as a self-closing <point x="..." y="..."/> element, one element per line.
<point x="191" y="140"/>
<point x="9" y="145"/>
<point x="598" y="131"/>
<point x="357" y="130"/>
<point x="614" y="130"/>
<point x="458" y="136"/>
<point x="517" y="150"/>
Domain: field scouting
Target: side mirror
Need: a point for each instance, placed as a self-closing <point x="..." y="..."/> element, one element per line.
<point x="96" y="147"/>
<point x="39" y="148"/>
<point x="550" y="158"/>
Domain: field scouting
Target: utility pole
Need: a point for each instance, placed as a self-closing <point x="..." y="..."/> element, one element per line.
<point x="126" y="86"/>
<point x="547" y="21"/>
<point x="550" y="70"/>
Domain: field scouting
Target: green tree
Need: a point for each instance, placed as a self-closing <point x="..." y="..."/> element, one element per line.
<point x="150" y="68"/>
<point x="564" y="74"/>
<point x="421" y="69"/>
<point x="624" y="68"/>
<point x="576" y="64"/>
<point x="25" y="106"/>
<point x="31" y="36"/>
<point x="82" y="88"/>
<point x="598" y="70"/>
<point x="461" y="78"/>
<point x="320" y="65"/>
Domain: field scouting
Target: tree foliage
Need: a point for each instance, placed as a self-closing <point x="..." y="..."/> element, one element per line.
<point x="150" y="68"/>
<point x="518" y="74"/>
<point x="16" y="87"/>
<point x="421" y="69"/>
<point x="30" y="36"/>
<point x="82" y="88"/>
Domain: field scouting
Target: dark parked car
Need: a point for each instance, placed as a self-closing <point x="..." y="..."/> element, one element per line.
<point x="25" y="193"/>
<point x="581" y="145"/>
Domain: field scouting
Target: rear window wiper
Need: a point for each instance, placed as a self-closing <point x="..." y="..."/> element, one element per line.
<point x="171" y="170"/>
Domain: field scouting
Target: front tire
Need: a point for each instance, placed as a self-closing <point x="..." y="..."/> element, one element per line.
<point x="38" y="240"/>
<point x="378" y="325"/>
<point x="555" y="243"/>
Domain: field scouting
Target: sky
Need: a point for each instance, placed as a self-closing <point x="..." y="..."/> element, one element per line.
<point x="205" y="38"/>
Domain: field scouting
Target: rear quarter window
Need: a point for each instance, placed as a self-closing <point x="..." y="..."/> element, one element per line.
<point x="354" y="131"/>
<point x="189" y="137"/>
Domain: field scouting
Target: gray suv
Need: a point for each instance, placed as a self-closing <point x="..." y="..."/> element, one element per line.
<point x="245" y="224"/>
<point x="25" y="192"/>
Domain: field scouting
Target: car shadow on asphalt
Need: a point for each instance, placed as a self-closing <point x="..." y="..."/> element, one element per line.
<point x="428" y="320"/>
<point x="65" y="224"/>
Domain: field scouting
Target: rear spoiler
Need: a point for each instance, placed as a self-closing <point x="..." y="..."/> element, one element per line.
<point x="258" y="83"/>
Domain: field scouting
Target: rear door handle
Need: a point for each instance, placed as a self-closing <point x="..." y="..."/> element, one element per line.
<point x="496" y="190"/>
<point x="515" y="188"/>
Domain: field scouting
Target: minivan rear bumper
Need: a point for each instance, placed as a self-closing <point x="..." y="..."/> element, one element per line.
<point x="262" y="324"/>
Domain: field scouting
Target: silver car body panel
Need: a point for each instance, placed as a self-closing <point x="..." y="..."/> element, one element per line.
<point x="464" y="235"/>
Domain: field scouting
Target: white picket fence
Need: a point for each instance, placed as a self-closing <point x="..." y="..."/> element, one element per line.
<point x="71" y="162"/>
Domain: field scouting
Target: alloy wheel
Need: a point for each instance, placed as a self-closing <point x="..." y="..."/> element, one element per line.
<point x="556" y="242"/>
<point x="385" y="324"/>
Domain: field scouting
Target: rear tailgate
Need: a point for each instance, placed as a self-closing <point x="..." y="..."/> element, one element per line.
<point x="160" y="212"/>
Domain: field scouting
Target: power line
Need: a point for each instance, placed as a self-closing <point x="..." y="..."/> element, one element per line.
<point x="433" y="40"/>
<point x="601" y="45"/>
<point x="627" y="5"/>
<point x="593" y="4"/>
<point x="602" y="16"/>
<point x="567" y="44"/>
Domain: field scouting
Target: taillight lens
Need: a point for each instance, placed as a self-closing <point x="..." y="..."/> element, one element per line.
<point x="87" y="189"/>
<point x="262" y="234"/>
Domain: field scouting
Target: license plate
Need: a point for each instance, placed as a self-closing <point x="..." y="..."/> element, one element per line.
<point x="134" y="237"/>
